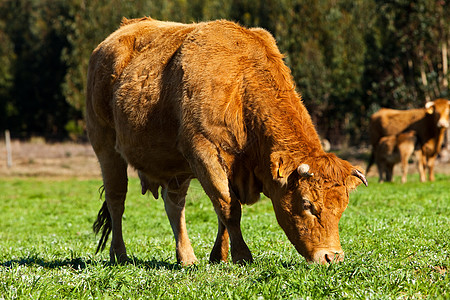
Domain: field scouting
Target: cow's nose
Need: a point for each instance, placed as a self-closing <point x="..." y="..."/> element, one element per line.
<point x="443" y="123"/>
<point x="334" y="257"/>
<point x="328" y="256"/>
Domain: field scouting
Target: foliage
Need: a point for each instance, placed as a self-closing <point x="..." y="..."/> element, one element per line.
<point x="36" y="102"/>
<point x="348" y="57"/>
<point x="410" y="39"/>
<point x="396" y="239"/>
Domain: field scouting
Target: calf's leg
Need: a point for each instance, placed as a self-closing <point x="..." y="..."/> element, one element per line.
<point x="421" y="163"/>
<point x="404" y="162"/>
<point x="174" y="196"/>
<point x="430" y="165"/>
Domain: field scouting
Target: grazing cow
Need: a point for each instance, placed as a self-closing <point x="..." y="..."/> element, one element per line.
<point x="430" y="124"/>
<point x="393" y="149"/>
<point x="213" y="101"/>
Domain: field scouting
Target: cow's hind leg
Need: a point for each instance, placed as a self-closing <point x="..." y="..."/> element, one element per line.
<point x="389" y="172"/>
<point x="381" y="171"/>
<point x="115" y="181"/>
<point x="174" y="195"/>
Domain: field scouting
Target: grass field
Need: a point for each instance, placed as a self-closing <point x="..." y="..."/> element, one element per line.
<point x="396" y="238"/>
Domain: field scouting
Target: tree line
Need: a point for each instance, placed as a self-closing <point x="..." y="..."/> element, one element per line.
<point x="348" y="57"/>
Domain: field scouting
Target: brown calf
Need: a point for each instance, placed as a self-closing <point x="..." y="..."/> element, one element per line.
<point x="393" y="149"/>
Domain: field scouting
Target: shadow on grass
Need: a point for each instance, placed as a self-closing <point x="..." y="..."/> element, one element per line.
<point x="75" y="263"/>
<point x="80" y="263"/>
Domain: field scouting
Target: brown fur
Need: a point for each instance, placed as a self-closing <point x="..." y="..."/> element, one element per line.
<point x="429" y="123"/>
<point x="214" y="101"/>
<point x="393" y="149"/>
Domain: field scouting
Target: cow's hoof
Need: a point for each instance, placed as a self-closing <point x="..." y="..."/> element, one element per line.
<point x="216" y="260"/>
<point x="218" y="254"/>
<point x="188" y="262"/>
<point x="121" y="259"/>
<point x="243" y="260"/>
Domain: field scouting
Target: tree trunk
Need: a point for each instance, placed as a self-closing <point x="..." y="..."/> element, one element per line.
<point x="444" y="64"/>
<point x="423" y="75"/>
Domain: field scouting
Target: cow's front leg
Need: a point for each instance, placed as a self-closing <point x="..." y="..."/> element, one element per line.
<point x="209" y="169"/>
<point x="230" y="215"/>
<point x="174" y="196"/>
<point x="221" y="246"/>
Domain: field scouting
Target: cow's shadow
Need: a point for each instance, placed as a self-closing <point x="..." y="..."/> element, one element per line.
<point x="81" y="263"/>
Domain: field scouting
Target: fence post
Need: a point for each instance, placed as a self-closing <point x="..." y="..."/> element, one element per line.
<point x="8" y="149"/>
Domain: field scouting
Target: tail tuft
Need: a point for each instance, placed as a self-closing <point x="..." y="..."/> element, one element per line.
<point x="102" y="223"/>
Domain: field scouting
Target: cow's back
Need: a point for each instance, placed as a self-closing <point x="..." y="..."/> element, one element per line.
<point x="124" y="88"/>
<point x="114" y="54"/>
<point x="155" y="82"/>
<point x="387" y="122"/>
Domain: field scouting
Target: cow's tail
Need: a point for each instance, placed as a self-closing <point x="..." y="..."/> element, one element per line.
<point x="102" y="223"/>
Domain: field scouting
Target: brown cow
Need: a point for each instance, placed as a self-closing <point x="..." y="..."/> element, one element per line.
<point x="429" y="123"/>
<point x="393" y="149"/>
<point x="213" y="101"/>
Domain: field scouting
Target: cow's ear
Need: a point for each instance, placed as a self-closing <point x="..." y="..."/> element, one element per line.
<point x="429" y="107"/>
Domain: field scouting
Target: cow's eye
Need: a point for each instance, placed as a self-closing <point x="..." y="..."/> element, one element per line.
<point x="308" y="206"/>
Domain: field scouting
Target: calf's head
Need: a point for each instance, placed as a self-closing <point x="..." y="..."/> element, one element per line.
<point x="309" y="202"/>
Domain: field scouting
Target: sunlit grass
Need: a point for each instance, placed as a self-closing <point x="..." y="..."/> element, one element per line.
<point x="396" y="238"/>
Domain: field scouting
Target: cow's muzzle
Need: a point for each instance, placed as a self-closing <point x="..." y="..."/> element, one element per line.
<point x="327" y="256"/>
<point x="443" y="123"/>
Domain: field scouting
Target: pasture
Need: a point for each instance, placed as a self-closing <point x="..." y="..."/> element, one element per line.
<point x="396" y="238"/>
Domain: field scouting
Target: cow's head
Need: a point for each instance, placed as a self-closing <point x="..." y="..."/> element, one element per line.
<point x="440" y="110"/>
<point x="309" y="202"/>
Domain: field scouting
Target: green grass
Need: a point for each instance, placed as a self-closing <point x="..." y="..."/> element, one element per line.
<point x="396" y="238"/>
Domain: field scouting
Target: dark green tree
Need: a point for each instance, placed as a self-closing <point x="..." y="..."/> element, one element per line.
<point x="7" y="58"/>
<point x="37" y="33"/>
<point x="405" y="66"/>
<point x="348" y="57"/>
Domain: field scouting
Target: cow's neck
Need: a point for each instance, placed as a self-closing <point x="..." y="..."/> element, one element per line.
<point x="283" y="125"/>
<point x="428" y="128"/>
